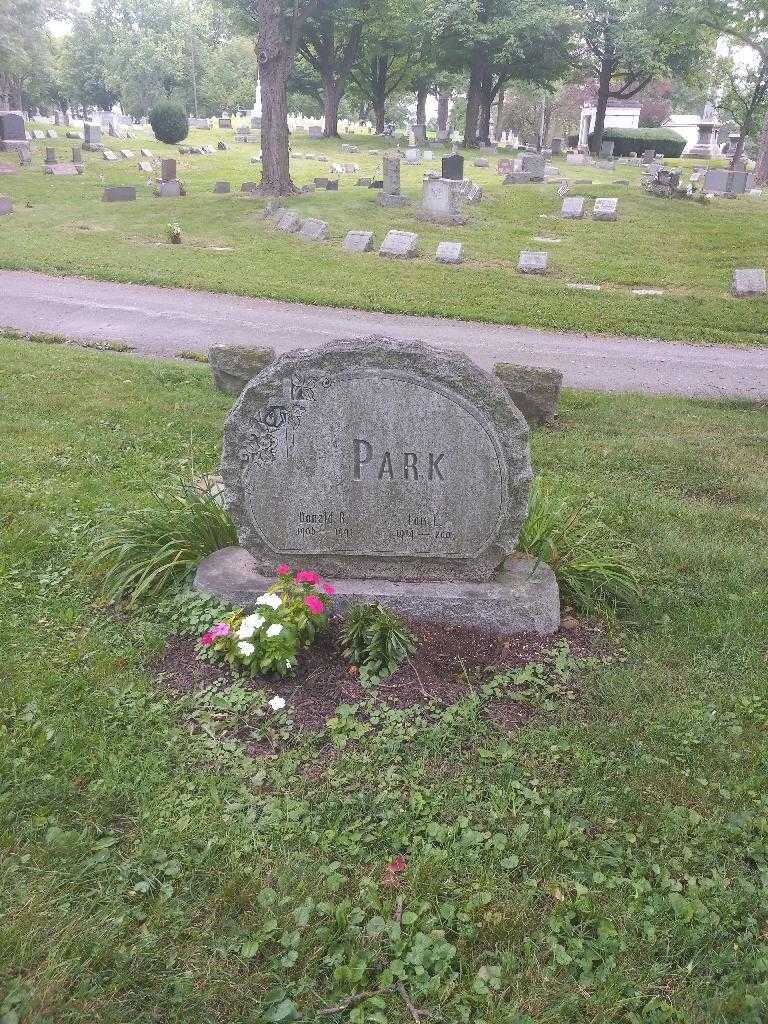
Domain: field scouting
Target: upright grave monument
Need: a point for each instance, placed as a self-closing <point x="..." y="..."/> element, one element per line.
<point x="391" y="194"/>
<point x="13" y="132"/>
<point x="399" y="471"/>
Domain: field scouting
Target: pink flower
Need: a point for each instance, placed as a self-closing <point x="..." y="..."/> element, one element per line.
<point x="283" y="570"/>
<point x="307" y="576"/>
<point x="207" y="639"/>
<point x="314" y="604"/>
<point x="220" y="629"/>
<point x="329" y="589"/>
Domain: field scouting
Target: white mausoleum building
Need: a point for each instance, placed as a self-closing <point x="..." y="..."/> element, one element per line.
<point x="617" y="115"/>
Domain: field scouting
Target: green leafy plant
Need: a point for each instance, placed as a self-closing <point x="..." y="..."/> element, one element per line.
<point x="287" y="618"/>
<point x="173" y="232"/>
<point x="376" y="640"/>
<point x="190" y="612"/>
<point x="169" y="122"/>
<point x="663" y="141"/>
<point x="151" y="549"/>
<point x="593" y="566"/>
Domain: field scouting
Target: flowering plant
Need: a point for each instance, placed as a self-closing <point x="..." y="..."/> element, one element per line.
<point x="286" y="618"/>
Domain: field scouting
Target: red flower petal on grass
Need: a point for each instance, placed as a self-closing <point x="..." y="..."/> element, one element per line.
<point x="393" y="870"/>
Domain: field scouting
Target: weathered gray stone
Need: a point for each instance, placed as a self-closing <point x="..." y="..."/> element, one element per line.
<point x="452" y="167"/>
<point x="119" y="194"/>
<point x="288" y="221"/>
<point x="534" y="164"/>
<point x="50" y="156"/>
<point x="533" y="262"/>
<point x="535" y="391"/>
<point x="12" y="128"/>
<point x="449" y="252"/>
<point x="221" y="187"/>
<point x="439" y="202"/>
<point x="481" y="162"/>
<point x="520" y="178"/>
<point x="169" y="189"/>
<point x="314" y="230"/>
<point x="572" y="208"/>
<point x="748" y="282"/>
<point x="315" y="131"/>
<point x="605" y="209"/>
<point x="127" y="154"/>
<point x="63" y="170"/>
<point x="523" y="598"/>
<point x="167" y="169"/>
<point x="109" y="155"/>
<point x="358" y="241"/>
<point x="402" y="244"/>
<point x="6" y="205"/>
<point x="250" y="187"/>
<point x="377" y="459"/>
<point x="145" y="166"/>
<point x="234" y="365"/>
<point x="92" y="134"/>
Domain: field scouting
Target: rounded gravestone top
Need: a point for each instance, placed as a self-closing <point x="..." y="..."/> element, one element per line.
<point x="375" y="458"/>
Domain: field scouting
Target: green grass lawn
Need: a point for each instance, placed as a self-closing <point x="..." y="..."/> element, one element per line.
<point x="607" y="862"/>
<point x="61" y="226"/>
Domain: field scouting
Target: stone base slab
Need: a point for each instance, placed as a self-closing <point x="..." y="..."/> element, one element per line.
<point x="393" y="200"/>
<point x="524" y="598"/>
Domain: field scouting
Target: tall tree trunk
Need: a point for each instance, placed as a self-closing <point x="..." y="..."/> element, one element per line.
<point x="379" y="91"/>
<point x="761" y="163"/>
<point x="486" y="102"/>
<point x="421" y="104"/>
<point x="275" y="64"/>
<point x="443" y="102"/>
<point x="603" y="92"/>
<point x="477" y="67"/>
<point x="499" y="126"/>
<point x="331" y="99"/>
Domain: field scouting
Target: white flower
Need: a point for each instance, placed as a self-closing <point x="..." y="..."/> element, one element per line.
<point x="275" y="629"/>
<point x="277" y="703"/>
<point x="245" y="649"/>
<point x="249" y="625"/>
<point x="271" y="600"/>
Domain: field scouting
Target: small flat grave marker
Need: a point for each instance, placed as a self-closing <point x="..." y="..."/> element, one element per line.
<point x="145" y="166"/>
<point x="314" y="230"/>
<point x="358" y="241"/>
<point x="400" y="244"/>
<point x="605" y="209"/>
<point x="647" y="292"/>
<point x="110" y="155"/>
<point x="288" y="221"/>
<point x="221" y="187"/>
<point x="119" y="194"/>
<point x="579" y="287"/>
<point x="6" y="205"/>
<point x="748" y="282"/>
<point x="449" y="252"/>
<point x="533" y="262"/>
<point x="62" y="170"/>
<point x="572" y="208"/>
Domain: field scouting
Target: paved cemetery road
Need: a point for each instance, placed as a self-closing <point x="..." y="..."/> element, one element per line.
<point x="165" y="321"/>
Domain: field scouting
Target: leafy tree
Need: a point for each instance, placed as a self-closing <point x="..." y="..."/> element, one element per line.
<point x="25" y="49"/>
<point x="84" y="59"/>
<point x="229" y="78"/>
<point x="743" y="97"/>
<point x="501" y="41"/>
<point x="625" y="44"/>
<point x="331" y="39"/>
<point x="745" y="22"/>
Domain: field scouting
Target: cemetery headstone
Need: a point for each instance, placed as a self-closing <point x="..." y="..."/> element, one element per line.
<point x="399" y="471"/>
<point x="400" y="245"/>
<point x="391" y="195"/>
<point x="449" y="252"/>
<point x="256" y="122"/>
<point x="572" y="208"/>
<point x="13" y="132"/>
<point x="606" y="149"/>
<point x="109" y="155"/>
<point x="482" y="161"/>
<point x="6" y="205"/>
<point x="24" y="154"/>
<point x="533" y="164"/>
<point x="127" y="154"/>
<point x="605" y="209"/>
<point x="234" y="365"/>
<point x="419" y="134"/>
<point x="167" y="169"/>
<point x="556" y="146"/>
<point x="119" y="194"/>
<point x="51" y="134"/>
<point x="358" y="241"/>
<point x="748" y="283"/>
<point x="221" y="146"/>
<point x="439" y="202"/>
<point x="50" y="156"/>
<point x="533" y="262"/>
<point x="92" y="135"/>
<point x="332" y="185"/>
<point x="288" y="221"/>
<point x="38" y="136"/>
<point x="412" y="155"/>
<point x="535" y="391"/>
<point x="145" y="166"/>
<point x="249" y="187"/>
<point x="314" y="230"/>
<point x="315" y="131"/>
<point x="77" y="154"/>
<point x="321" y="182"/>
<point x="453" y="167"/>
<point x="225" y="122"/>
<point x="221" y="187"/>
<point x="168" y="189"/>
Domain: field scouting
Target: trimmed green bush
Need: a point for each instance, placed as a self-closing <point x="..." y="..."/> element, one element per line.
<point x="634" y="140"/>
<point x="169" y="123"/>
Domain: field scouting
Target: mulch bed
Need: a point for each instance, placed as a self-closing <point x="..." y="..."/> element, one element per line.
<point x="447" y="665"/>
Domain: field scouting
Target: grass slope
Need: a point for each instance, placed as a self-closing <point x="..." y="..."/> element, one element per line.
<point x="607" y="863"/>
<point x="61" y="226"/>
